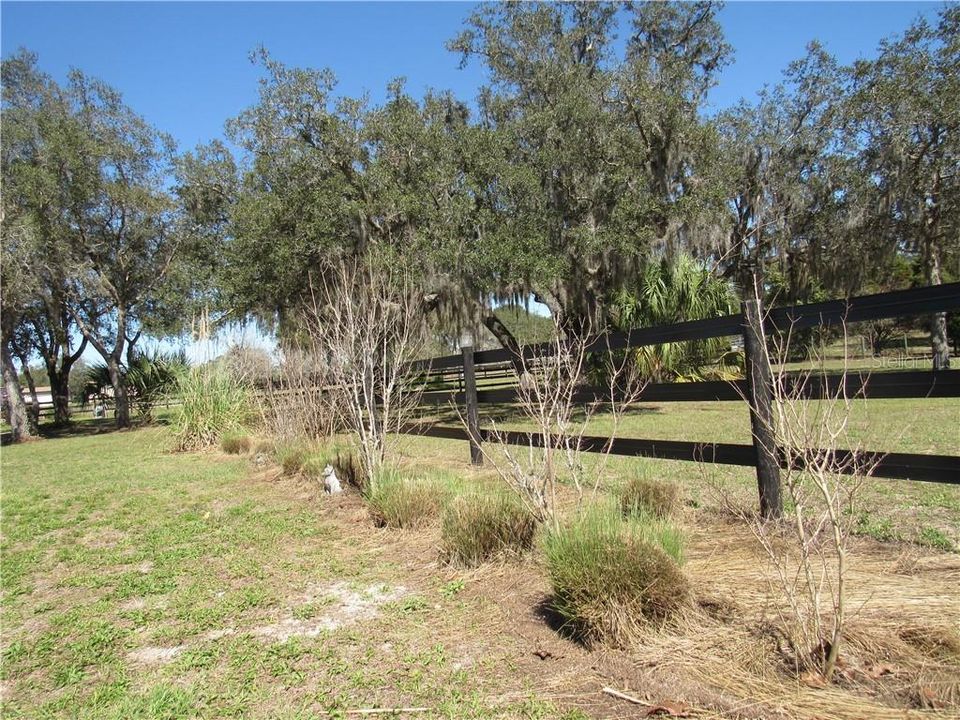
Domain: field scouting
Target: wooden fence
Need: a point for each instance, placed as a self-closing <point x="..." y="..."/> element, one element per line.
<point x="500" y="386"/>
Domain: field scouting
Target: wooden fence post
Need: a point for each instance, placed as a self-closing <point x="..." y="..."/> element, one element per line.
<point x="470" y="395"/>
<point x="760" y="397"/>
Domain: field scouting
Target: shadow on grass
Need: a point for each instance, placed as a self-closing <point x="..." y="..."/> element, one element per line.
<point x="83" y="428"/>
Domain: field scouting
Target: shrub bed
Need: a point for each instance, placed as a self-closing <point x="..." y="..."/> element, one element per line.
<point x="234" y="443"/>
<point x="291" y="457"/>
<point x="214" y="403"/>
<point x="400" y="501"/>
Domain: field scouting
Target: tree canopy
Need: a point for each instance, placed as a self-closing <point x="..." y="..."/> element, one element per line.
<point x="588" y="163"/>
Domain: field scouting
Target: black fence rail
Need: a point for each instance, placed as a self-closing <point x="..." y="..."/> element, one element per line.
<point x="495" y="367"/>
<point x="912" y="466"/>
<point x="897" y="304"/>
<point x="855" y="383"/>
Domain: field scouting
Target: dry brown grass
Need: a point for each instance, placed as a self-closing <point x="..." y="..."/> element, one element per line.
<point x="658" y="498"/>
<point x="481" y="526"/>
<point x="899" y="651"/>
<point x="235" y="443"/>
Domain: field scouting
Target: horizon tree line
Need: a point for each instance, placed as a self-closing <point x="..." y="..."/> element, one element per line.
<point x="584" y="163"/>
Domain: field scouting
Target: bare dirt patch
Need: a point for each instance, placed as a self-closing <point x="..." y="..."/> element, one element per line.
<point x="342" y="606"/>
<point x="155" y="655"/>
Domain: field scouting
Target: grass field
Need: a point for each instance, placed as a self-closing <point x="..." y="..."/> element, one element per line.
<point x="139" y="583"/>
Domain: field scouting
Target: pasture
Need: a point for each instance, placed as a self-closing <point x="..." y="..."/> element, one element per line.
<point x="143" y="583"/>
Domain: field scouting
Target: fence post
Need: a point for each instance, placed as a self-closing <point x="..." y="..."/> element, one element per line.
<point x="760" y="397"/>
<point x="470" y="395"/>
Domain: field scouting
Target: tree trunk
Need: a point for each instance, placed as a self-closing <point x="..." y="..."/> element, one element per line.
<point x="938" y="321"/>
<point x="60" y="390"/>
<point x="131" y="352"/>
<point x="34" y="408"/>
<point x="60" y="380"/>
<point x="120" y="401"/>
<point x="545" y="297"/>
<point x="19" y="416"/>
<point x="506" y="339"/>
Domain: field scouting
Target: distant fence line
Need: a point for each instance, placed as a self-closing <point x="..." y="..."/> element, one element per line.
<point x="856" y="383"/>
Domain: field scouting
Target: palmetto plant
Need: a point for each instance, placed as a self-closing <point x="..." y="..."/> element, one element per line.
<point x="670" y="291"/>
<point x="148" y="377"/>
<point x="151" y="376"/>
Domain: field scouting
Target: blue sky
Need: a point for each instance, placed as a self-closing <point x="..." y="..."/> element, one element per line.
<point x="185" y="67"/>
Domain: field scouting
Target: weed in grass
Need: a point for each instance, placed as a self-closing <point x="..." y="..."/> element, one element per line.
<point x="480" y="526"/>
<point x="235" y="443"/>
<point x="399" y="501"/>
<point x="652" y="497"/>
<point x="611" y="576"/>
<point x="932" y="537"/>
<point x="452" y="589"/>
<point x="412" y="604"/>
<point x="880" y="529"/>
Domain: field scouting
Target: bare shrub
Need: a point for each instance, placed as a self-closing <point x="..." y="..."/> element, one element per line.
<point x="366" y="321"/>
<point x="295" y="400"/>
<point x="824" y="468"/>
<point x="554" y="396"/>
<point x="248" y="362"/>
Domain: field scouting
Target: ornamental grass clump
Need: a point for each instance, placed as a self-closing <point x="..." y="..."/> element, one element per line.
<point x="235" y="443"/>
<point x="291" y="457"/>
<point x="612" y="577"/>
<point x="481" y="526"/>
<point x="213" y="404"/>
<point x="641" y="495"/>
<point x="398" y="500"/>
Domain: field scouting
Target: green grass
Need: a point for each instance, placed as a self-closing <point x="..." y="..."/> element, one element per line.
<point x="113" y="545"/>
<point x="932" y="537"/>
